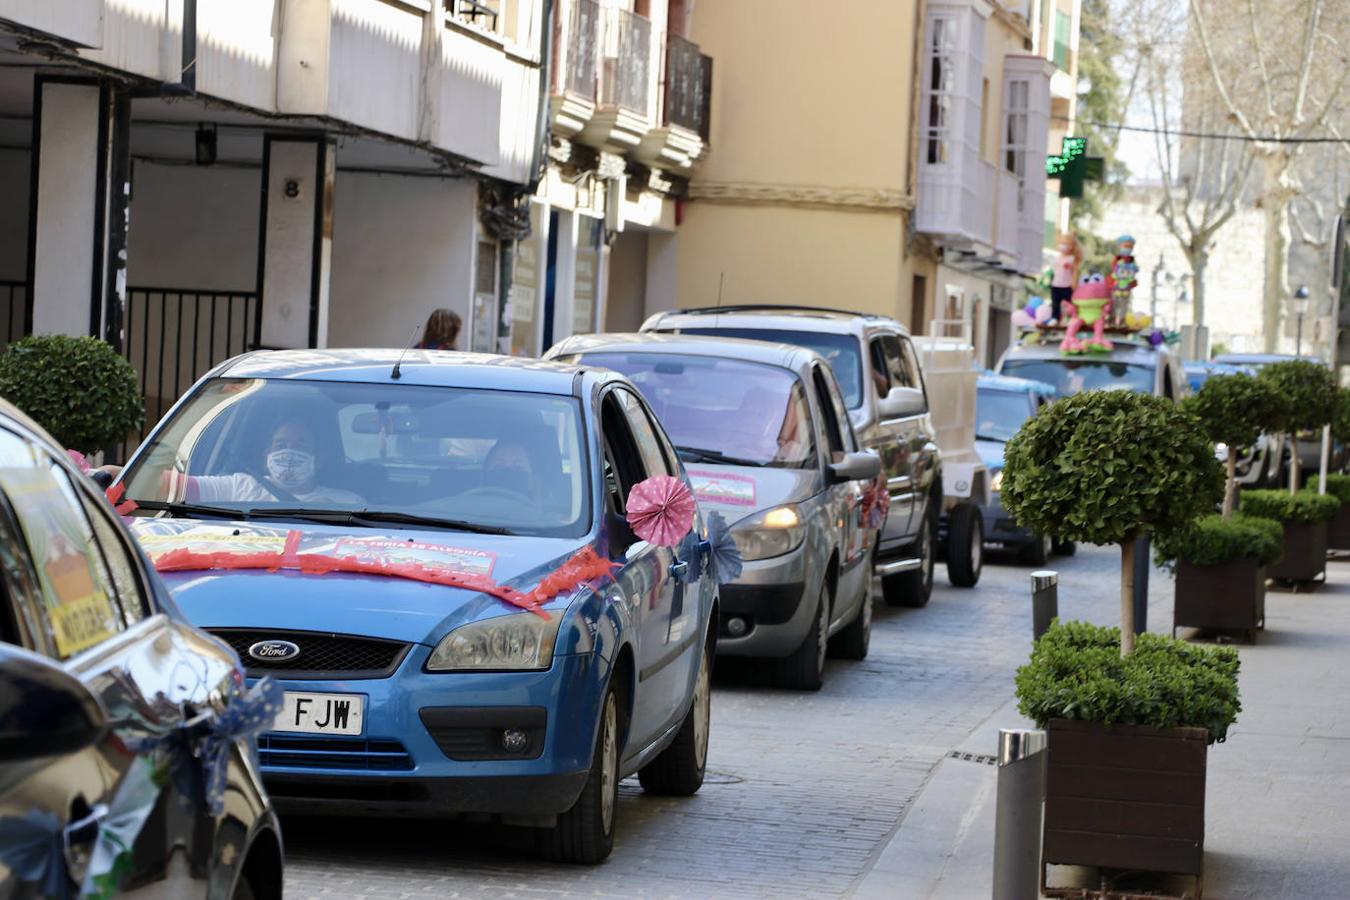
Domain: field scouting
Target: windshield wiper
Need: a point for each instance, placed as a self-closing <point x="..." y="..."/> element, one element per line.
<point x="192" y="509"/>
<point x="373" y="517"/>
<point x="990" y="437"/>
<point x="698" y="454"/>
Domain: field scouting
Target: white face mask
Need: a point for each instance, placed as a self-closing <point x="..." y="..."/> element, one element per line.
<point x="290" y="469"/>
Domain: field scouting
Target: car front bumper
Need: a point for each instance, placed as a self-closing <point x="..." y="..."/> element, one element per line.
<point x="430" y="744"/>
<point x="775" y="599"/>
<point x="999" y="525"/>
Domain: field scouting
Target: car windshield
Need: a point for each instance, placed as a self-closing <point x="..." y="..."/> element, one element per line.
<point x="469" y="459"/>
<point x="1073" y="376"/>
<point x="840" y="349"/>
<point x="722" y="410"/>
<point x="999" y="414"/>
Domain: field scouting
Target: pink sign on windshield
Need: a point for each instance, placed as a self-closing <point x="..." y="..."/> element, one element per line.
<point x="722" y="487"/>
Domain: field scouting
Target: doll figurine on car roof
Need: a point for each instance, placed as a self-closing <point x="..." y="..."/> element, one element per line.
<point x="1122" y="278"/>
<point x="1091" y="305"/>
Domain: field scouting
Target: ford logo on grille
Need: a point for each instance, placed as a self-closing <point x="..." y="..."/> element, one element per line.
<point x="274" y="651"/>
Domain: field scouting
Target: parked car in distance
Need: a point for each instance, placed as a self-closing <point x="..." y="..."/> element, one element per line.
<point x="99" y="674"/>
<point x="435" y="487"/>
<point x="1132" y="364"/>
<point x="1002" y="406"/>
<point x="878" y="372"/>
<point x="765" y="436"/>
<point x="1256" y="465"/>
<point x="1198" y="372"/>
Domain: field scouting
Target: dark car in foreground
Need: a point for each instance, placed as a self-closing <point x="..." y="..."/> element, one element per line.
<point x="126" y="762"/>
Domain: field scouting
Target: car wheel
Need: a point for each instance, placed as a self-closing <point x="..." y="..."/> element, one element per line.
<point x="965" y="545"/>
<point x="585" y="833"/>
<point x="1037" y="552"/>
<point x="913" y="588"/>
<point x="1063" y="548"/>
<point x="678" y="770"/>
<point x="804" y="670"/>
<point x="852" y="642"/>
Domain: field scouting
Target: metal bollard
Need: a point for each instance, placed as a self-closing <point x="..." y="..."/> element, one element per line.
<point x="1044" y="600"/>
<point x="1017" y="818"/>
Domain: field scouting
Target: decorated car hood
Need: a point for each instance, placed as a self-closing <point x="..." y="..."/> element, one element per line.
<point x="740" y="491"/>
<point x="221" y="576"/>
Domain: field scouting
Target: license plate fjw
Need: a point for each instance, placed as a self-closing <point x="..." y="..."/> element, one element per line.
<point x="321" y="713"/>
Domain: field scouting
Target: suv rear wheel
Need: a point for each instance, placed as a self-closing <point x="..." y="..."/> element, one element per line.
<point x="965" y="545"/>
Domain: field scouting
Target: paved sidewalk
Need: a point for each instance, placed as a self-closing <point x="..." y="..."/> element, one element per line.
<point x="1278" y="792"/>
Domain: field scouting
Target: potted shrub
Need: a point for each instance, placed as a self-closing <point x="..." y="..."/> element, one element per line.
<point x="1304" y="516"/>
<point x="78" y="388"/>
<point x="1338" y="531"/>
<point x="1234" y="410"/>
<point x="1104" y="466"/>
<point x="1128" y="745"/>
<point x="1127" y="736"/>
<point x="1220" y="566"/>
<point x="1305" y="395"/>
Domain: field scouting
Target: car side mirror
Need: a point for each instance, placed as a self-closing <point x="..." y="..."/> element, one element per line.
<point x="861" y="466"/>
<point x="44" y="710"/>
<point x="901" y="402"/>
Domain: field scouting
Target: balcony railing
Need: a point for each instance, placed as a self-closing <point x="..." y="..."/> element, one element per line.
<point x="688" y="85"/>
<point x="626" y="67"/>
<point x="581" y="49"/>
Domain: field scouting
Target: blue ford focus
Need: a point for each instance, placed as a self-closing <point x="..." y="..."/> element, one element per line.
<point x="435" y="559"/>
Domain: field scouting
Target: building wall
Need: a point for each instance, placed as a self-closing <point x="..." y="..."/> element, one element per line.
<point x="626" y="303"/>
<point x="802" y="198"/>
<point x="402" y="246"/>
<point x="1234" y="278"/>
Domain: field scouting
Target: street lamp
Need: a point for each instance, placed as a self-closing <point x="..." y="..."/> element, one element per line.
<point x="1299" y="305"/>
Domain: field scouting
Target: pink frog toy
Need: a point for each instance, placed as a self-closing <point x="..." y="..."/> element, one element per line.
<point x="1090" y="306"/>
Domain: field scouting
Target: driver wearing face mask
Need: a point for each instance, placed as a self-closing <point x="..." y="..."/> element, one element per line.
<point x="290" y="466"/>
<point x="508" y="468"/>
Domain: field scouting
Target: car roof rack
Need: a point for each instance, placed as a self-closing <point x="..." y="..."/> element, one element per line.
<point x="772" y="307"/>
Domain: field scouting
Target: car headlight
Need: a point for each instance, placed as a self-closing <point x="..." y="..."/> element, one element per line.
<point x="997" y="484"/>
<point x="771" y="533"/>
<point x="521" y="640"/>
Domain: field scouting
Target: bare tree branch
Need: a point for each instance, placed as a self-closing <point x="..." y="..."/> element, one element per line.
<point x="1314" y="16"/>
<point x="1203" y="34"/>
<point x="1261" y="59"/>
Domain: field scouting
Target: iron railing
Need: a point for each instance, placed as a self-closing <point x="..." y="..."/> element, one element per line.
<point x="626" y="80"/>
<point x="581" y="50"/>
<point x="173" y="336"/>
<point x="13" y="311"/>
<point x="688" y="84"/>
<point x="473" y="10"/>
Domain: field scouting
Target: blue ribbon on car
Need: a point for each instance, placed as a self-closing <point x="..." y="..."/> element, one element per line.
<point x="199" y="749"/>
<point x="726" y="556"/>
<point x="32" y="846"/>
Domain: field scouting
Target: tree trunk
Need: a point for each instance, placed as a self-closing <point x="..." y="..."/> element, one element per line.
<point x="1199" y="262"/>
<point x="1293" y="463"/>
<point x="1127" y="597"/>
<point x="1230" y="489"/>
<point x="1277" y="193"/>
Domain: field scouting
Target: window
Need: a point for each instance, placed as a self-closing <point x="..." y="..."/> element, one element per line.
<point x="913" y="373"/>
<point x="984" y="120"/>
<point x="841" y="350"/>
<point x="1061" y="57"/>
<point x="654" y="458"/>
<point x="1015" y="132"/>
<point x="77" y="600"/>
<point x="881" y="376"/>
<point x="484" y="13"/>
<point x="622" y="455"/>
<point x="19" y="607"/>
<point x="941" y="84"/>
<point x="898" y="369"/>
<point x="130" y="590"/>
<point x="834" y="439"/>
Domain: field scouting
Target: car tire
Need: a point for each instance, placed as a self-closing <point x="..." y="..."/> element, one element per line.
<point x="678" y="770"/>
<point x="1063" y="548"/>
<point x="1037" y="553"/>
<point x="243" y="890"/>
<point x="804" y="670"/>
<point x="585" y="833"/>
<point x="853" y="641"/>
<point x="913" y="589"/>
<point x="965" y="545"/>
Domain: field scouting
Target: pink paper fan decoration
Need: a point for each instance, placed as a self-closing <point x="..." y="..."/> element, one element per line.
<point x="78" y="459"/>
<point x="661" y="510"/>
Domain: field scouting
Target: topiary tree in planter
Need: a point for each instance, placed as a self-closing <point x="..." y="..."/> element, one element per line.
<point x="1234" y="410"/>
<point x="1306" y="395"/>
<point x="78" y="388"/>
<point x="1103" y="467"/>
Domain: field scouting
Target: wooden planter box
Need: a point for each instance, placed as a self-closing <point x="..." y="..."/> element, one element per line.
<point x="1305" y="553"/>
<point x="1228" y="597"/>
<point x="1338" y="531"/>
<point x="1125" y="797"/>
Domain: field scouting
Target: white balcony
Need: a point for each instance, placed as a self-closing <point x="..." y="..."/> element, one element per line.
<point x="626" y="105"/>
<point x="78" y="22"/>
<point x="1008" y="233"/>
<point x="956" y="203"/>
